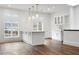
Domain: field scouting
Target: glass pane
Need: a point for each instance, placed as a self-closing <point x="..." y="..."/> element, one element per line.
<point x="6" y="31"/>
<point x="15" y="33"/>
<point x="40" y="26"/>
<point x="35" y="27"/>
<point x="11" y="29"/>
<point x="55" y="20"/>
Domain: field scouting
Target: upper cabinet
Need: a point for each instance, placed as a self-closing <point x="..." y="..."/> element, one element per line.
<point x="38" y="26"/>
<point x="59" y="20"/>
<point x="62" y="21"/>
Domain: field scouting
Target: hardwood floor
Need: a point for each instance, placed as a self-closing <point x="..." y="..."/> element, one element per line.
<point x="51" y="47"/>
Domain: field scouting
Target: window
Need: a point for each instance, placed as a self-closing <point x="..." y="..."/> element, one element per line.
<point x="11" y="29"/>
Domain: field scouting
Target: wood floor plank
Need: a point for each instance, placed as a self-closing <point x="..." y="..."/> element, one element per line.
<point x="51" y="47"/>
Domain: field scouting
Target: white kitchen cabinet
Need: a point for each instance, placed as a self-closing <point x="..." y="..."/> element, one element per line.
<point x="38" y="38"/>
<point x="27" y="37"/>
<point x="38" y="26"/>
<point x="34" y="38"/>
<point x="71" y="37"/>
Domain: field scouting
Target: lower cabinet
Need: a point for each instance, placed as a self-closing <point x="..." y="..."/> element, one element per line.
<point x="27" y="37"/>
<point x="33" y="38"/>
<point x="38" y="38"/>
<point x="71" y="37"/>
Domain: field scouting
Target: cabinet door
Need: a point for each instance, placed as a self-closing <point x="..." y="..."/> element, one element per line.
<point x="40" y="26"/>
<point x="66" y="22"/>
<point x="35" y="27"/>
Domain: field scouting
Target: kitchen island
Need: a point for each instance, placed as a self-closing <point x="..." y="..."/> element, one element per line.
<point x="34" y="38"/>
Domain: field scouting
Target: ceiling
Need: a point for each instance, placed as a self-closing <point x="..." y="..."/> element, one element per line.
<point x="46" y="8"/>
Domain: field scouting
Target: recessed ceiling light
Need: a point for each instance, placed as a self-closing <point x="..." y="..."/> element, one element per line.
<point x="37" y="15"/>
<point x="48" y="9"/>
<point x="29" y="18"/>
<point x="40" y="8"/>
<point x="33" y="17"/>
<point x="9" y="5"/>
<point x="53" y="7"/>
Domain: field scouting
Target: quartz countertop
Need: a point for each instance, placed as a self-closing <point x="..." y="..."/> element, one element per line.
<point x="71" y="29"/>
<point x="38" y="31"/>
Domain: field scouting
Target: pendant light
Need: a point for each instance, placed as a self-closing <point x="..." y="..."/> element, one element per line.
<point x="33" y="12"/>
<point x="37" y="15"/>
<point x="29" y="17"/>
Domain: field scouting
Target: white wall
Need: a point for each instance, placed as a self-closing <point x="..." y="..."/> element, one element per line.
<point x="76" y="17"/>
<point x="72" y="21"/>
<point x="1" y="25"/>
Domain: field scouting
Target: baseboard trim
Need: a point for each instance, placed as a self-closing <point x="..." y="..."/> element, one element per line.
<point x="48" y="38"/>
<point x="72" y="44"/>
<point x="2" y="42"/>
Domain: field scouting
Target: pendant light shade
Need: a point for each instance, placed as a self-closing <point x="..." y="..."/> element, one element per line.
<point x="33" y="14"/>
<point x="37" y="15"/>
<point x="29" y="17"/>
